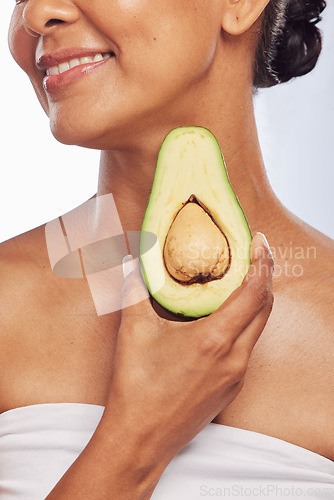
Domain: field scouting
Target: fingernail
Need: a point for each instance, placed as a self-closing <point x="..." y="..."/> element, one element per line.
<point x="265" y="241"/>
<point x="128" y="265"/>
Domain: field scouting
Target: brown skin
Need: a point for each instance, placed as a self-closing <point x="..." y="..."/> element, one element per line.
<point x="50" y="334"/>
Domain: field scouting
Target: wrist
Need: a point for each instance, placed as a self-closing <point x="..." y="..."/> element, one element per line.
<point x="143" y="458"/>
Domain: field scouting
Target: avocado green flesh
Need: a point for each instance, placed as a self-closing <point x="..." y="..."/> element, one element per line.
<point x="190" y="162"/>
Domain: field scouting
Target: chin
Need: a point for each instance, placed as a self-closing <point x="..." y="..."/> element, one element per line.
<point x="83" y="134"/>
<point x="73" y="134"/>
<point x="119" y="132"/>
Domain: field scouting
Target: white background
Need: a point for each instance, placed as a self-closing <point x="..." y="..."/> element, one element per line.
<point x="41" y="179"/>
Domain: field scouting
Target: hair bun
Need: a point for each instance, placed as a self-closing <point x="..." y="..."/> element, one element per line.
<point x="291" y="41"/>
<point x="300" y="46"/>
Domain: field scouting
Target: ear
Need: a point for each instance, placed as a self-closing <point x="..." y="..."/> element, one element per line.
<point x="239" y="15"/>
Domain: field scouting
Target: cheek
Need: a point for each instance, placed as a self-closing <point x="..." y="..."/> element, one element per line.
<point x="19" y="42"/>
<point x="22" y="46"/>
<point x="179" y="58"/>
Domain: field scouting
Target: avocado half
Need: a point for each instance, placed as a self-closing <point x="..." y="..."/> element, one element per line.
<point x="202" y="250"/>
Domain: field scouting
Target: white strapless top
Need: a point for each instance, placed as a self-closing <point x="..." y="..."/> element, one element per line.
<point x="38" y="443"/>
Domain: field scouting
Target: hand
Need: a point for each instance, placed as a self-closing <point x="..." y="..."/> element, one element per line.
<point x="171" y="379"/>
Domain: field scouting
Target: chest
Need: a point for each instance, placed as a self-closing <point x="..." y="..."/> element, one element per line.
<point x="66" y="354"/>
<point x="57" y="349"/>
<point x="288" y="390"/>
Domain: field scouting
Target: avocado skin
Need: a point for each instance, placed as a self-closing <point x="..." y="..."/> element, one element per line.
<point x="190" y="163"/>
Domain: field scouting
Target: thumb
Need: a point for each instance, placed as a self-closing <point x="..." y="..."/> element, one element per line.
<point x="134" y="291"/>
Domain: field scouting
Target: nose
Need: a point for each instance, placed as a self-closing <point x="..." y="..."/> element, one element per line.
<point x="40" y="17"/>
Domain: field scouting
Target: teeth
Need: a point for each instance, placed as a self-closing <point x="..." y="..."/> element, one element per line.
<point x="65" y="66"/>
<point x="74" y="63"/>
<point x="53" y="71"/>
<point x="85" y="60"/>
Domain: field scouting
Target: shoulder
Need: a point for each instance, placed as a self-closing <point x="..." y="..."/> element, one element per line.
<point x="19" y="255"/>
<point x="23" y="261"/>
<point x="305" y="276"/>
<point x="21" y="291"/>
<point x="318" y="268"/>
<point x="28" y="285"/>
<point x="24" y="292"/>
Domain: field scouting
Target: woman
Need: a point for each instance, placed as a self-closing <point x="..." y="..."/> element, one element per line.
<point x="160" y="65"/>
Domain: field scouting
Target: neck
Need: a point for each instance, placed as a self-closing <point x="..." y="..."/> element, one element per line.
<point x="128" y="175"/>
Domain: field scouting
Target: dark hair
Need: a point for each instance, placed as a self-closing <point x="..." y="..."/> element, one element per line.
<point x="289" y="42"/>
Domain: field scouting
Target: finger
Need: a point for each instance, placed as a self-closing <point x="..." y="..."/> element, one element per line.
<point x="134" y="293"/>
<point x="255" y="292"/>
<point x="246" y="341"/>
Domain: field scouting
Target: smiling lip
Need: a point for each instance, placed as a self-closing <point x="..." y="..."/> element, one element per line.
<point x="67" y="66"/>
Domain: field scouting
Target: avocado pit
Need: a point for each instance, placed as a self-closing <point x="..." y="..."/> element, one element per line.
<point x="196" y="250"/>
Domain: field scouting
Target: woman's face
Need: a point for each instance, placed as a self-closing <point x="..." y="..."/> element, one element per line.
<point x="155" y="50"/>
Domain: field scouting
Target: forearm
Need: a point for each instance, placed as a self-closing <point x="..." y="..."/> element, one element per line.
<point x="117" y="463"/>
